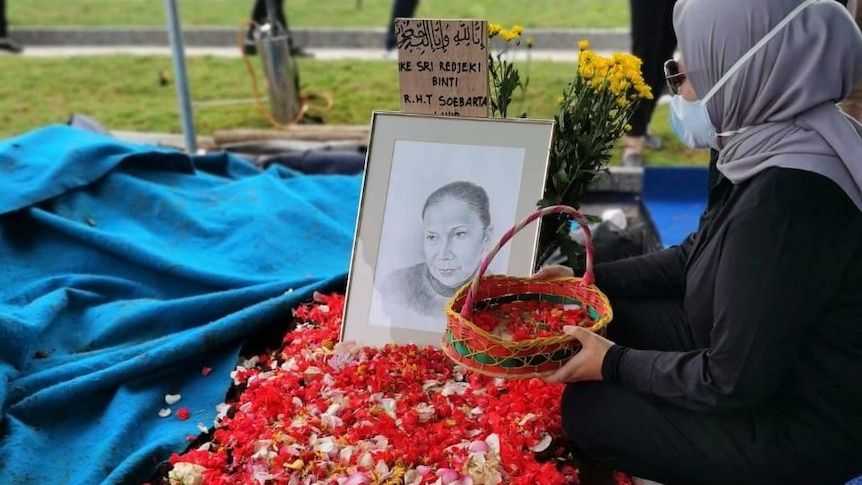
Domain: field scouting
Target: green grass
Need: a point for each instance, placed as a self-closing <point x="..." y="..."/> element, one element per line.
<point x="319" y="13"/>
<point x="123" y="93"/>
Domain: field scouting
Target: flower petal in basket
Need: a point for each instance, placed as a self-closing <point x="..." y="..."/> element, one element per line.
<point x="494" y="355"/>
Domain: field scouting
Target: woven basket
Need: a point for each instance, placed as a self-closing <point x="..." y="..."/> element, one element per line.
<point x="492" y="355"/>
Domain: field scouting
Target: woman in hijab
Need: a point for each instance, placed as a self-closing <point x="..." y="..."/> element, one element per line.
<point x="735" y="358"/>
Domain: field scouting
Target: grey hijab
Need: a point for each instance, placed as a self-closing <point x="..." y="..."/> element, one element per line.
<point x="784" y="97"/>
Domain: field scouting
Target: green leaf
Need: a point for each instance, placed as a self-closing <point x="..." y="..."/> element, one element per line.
<point x="548" y="201"/>
<point x="570" y="249"/>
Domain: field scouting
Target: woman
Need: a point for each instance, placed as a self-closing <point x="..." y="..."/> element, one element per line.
<point x="736" y="357"/>
<point x="456" y="221"/>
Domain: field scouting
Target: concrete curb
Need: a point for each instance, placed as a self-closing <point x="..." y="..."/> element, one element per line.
<point x="320" y="38"/>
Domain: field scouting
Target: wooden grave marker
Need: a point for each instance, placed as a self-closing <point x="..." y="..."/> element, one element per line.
<point x="443" y="66"/>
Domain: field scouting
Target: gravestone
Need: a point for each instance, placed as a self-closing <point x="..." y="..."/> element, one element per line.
<point x="443" y="66"/>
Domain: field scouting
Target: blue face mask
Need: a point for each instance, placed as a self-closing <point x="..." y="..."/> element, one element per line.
<point x="690" y="119"/>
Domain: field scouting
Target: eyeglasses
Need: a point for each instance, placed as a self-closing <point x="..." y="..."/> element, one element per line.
<point x="673" y="76"/>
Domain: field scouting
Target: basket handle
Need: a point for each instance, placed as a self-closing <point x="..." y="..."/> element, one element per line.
<point x="587" y="280"/>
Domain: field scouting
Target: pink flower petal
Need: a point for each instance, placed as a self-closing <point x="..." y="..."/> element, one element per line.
<point x="358" y="478"/>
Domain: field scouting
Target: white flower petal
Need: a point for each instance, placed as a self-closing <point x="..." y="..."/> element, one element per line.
<point x="493" y="441"/>
<point x="183" y="473"/>
<point x="543" y="444"/>
<point x="381" y="467"/>
<point x="526" y="419"/>
<point x="430" y="384"/>
<point x="388" y="406"/>
<point x="365" y="460"/>
<point x="325" y="445"/>
<point x="346" y="453"/>
<point x="451" y="388"/>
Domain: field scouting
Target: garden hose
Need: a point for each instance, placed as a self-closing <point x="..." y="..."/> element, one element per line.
<point x="305" y="106"/>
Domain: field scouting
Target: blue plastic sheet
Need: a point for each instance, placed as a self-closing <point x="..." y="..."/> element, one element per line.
<point x="124" y="270"/>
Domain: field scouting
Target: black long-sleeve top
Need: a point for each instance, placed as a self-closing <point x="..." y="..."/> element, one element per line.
<point x="772" y="290"/>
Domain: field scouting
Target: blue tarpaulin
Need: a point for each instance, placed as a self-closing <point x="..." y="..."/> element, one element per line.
<point x="675" y="198"/>
<point x="125" y="270"/>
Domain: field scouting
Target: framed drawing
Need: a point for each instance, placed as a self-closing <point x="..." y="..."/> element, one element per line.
<point x="438" y="193"/>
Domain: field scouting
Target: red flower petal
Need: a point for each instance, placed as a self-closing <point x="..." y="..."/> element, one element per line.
<point x="183" y="414"/>
<point x="304" y="414"/>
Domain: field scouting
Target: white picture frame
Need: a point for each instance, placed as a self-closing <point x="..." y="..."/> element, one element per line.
<point x="424" y="225"/>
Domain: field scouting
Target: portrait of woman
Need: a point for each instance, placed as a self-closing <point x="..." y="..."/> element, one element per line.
<point x="457" y="233"/>
<point x="437" y="196"/>
<point x="445" y="205"/>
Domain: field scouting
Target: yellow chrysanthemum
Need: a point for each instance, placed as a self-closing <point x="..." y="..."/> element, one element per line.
<point x="644" y="91"/>
<point x="583" y="45"/>
<point x="494" y="29"/>
<point x="517" y="30"/>
<point x="587" y="72"/>
<point x="508" y="35"/>
<point x="601" y="64"/>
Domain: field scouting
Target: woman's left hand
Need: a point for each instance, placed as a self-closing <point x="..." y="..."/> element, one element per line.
<point x="586" y="365"/>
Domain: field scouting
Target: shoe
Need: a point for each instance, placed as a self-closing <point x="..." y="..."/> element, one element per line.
<point x="9" y="46"/>
<point x="300" y="52"/>
<point x="633" y="160"/>
<point x="653" y="142"/>
<point x="249" y="47"/>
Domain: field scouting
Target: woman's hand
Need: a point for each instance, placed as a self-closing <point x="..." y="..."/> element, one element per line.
<point x="555" y="271"/>
<point x="586" y="365"/>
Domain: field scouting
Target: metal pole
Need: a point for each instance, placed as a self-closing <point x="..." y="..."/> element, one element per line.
<point x="178" y="53"/>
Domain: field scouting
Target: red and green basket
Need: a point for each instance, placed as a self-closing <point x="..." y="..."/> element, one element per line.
<point x="496" y="355"/>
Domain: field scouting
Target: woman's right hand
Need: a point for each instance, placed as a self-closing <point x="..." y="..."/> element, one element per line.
<point x="554" y="271"/>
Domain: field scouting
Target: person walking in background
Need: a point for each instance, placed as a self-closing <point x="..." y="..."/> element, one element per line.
<point x="6" y="44"/>
<point x="400" y="9"/>
<point x="653" y="41"/>
<point x="259" y="16"/>
<point x="853" y="104"/>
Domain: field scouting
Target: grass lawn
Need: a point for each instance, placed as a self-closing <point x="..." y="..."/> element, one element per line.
<point x="123" y="93"/>
<point x="319" y="13"/>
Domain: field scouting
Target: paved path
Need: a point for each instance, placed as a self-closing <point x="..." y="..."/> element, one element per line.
<point x="233" y="52"/>
<point x="313" y="38"/>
